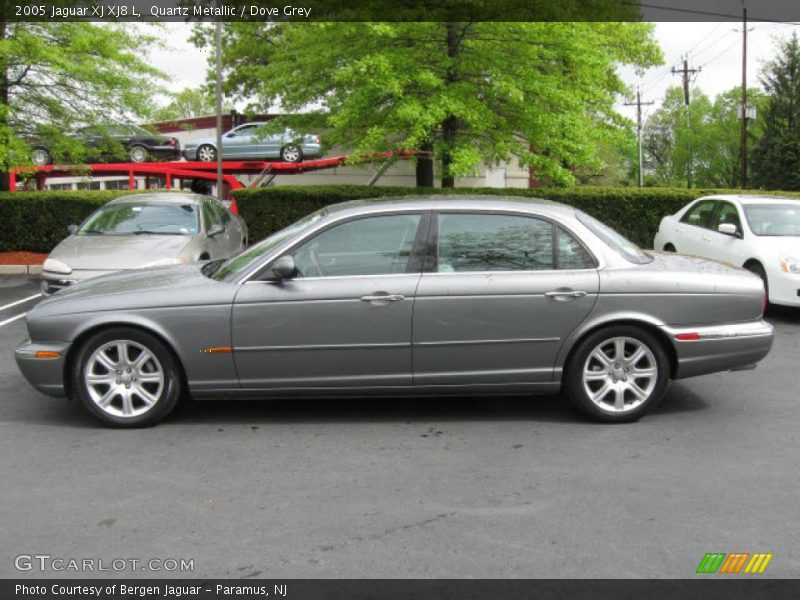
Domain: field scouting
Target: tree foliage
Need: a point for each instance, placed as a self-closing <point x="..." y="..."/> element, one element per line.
<point x="58" y="75"/>
<point x="188" y="103"/>
<point x="465" y="91"/>
<point x="704" y="143"/>
<point x="776" y="157"/>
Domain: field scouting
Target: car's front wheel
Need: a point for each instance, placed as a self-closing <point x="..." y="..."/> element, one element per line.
<point x="126" y="378"/>
<point x="206" y="153"/>
<point x="617" y="374"/>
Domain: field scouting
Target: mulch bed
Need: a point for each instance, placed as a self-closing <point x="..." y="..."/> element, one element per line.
<point x="22" y="258"/>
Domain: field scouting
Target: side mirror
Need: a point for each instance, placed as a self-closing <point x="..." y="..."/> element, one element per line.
<point x="283" y="268"/>
<point x="729" y="229"/>
<point x="230" y="135"/>
<point x="72" y="229"/>
<point x="215" y="229"/>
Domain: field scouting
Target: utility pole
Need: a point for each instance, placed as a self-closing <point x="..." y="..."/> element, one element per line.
<point x="743" y="143"/>
<point x="639" y="104"/>
<point x="218" y="44"/>
<point x="686" y="72"/>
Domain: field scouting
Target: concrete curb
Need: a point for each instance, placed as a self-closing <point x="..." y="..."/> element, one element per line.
<point x="20" y="269"/>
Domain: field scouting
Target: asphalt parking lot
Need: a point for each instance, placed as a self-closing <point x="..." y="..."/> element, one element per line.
<point x="496" y="488"/>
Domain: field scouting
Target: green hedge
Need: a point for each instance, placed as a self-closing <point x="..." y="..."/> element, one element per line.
<point x="634" y="212"/>
<point x="37" y="221"/>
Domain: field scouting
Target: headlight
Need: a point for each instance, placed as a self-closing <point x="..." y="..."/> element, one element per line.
<point x="789" y="264"/>
<point x="164" y="262"/>
<point x="56" y="266"/>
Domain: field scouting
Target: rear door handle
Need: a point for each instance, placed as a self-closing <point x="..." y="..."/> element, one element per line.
<point x="382" y="297"/>
<point x="565" y="294"/>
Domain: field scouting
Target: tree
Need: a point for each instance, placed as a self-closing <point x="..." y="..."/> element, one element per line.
<point x="463" y="91"/>
<point x="188" y="103"/>
<point x="672" y="139"/>
<point x="776" y="157"/>
<point x="57" y="75"/>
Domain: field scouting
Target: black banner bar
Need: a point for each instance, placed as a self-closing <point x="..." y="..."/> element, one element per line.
<point x="702" y="588"/>
<point x="778" y="11"/>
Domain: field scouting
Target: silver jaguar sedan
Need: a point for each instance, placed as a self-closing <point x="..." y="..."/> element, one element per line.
<point x="426" y="296"/>
<point x="144" y="230"/>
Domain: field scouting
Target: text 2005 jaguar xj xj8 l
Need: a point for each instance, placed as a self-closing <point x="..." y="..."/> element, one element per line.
<point x="393" y="298"/>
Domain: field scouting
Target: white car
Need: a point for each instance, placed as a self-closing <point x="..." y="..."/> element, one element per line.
<point x="759" y="233"/>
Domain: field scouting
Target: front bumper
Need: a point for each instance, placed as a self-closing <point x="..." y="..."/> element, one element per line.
<point x="53" y="282"/>
<point x="190" y="153"/>
<point x="784" y="288"/>
<point x="714" y="348"/>
<point x="45" y="374"/>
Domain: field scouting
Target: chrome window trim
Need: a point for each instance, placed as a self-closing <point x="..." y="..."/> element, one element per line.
<point x="323" y="224"/>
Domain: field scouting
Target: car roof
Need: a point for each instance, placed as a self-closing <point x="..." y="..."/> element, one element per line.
<point x="442" y="202"/>
<point x="160" y="198"/>
<point x="750" y="198"/>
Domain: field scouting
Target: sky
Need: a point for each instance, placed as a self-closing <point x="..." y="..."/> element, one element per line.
<point x="714" y="47"/>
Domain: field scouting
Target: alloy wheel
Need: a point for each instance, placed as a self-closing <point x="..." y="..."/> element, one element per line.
<point x="291" y="154"/>
<point x="620" y="374"/>
<point x="207" y="154"/>
<point x="124" y="378"/>
<point x="40" y="157"/>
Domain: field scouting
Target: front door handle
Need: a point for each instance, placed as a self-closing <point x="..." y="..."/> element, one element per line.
<point x="564" y="295"/>
<point x="382" y="297"/>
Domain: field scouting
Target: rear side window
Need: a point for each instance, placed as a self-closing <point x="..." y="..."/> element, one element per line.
<point x="491" y="242"/>
<point x="700" y="214"/>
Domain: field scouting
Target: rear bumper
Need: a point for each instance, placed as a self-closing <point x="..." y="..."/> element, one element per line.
<point x="45" y="374"/>
<point x="720" y="347"/>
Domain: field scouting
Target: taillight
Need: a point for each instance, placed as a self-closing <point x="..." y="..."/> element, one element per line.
<point x="171" y="142"/>
<point x="764" y="302"/>
<point x="317" y="140"/>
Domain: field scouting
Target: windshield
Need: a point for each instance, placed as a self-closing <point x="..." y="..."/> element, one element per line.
<point x="240" y="263"/>
<point x="132" y="219"/>
<point x="773" y="219"/>
<point x="622" y="245"/>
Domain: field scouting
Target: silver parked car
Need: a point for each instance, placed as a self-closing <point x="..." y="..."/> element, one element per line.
<point x="141" y="231"/>
<point x="394" y="298"/>
<point x="245" y="142"/>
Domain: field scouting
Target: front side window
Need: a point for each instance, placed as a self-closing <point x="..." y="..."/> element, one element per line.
<point x="491" y="242"/>
<point x="700" y="214"/>
<point x="727" y="213"/>
<point x="370" y="246"/>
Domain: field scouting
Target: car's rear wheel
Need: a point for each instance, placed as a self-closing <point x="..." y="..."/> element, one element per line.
<point x="126" y="378"/>
<point x="41" y="157"/>
<point x="669" y="248"/>
<point x="617" y="374"/>
<point x="138" y="154"/>
<point x="206" y="153"/>
<point x="291" y="154"/>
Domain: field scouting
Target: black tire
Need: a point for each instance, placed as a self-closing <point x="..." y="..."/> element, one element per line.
<point x="206" y="153"/>
<point x="575" y="387"/>
<point x="291" y="154"/>
<point x="669" y="248"/>
<point x="169" y="390"/>
<point x="755" y="267"/>
<point x="137" y="154"/>
<point x="41" y="156"/>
